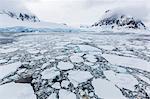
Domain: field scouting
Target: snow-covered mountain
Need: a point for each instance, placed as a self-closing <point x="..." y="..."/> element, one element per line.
<point x="20" y="16"/>
<point x="25" y="21"/>
<point x="113" y="19"/>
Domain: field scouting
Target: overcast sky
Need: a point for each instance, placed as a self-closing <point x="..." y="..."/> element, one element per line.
<point x="77" y="12"/>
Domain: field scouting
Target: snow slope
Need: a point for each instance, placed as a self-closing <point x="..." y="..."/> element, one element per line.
<point x="24" y="21"/>
<point x="119" y="20"/>
<point x="7" y="21"/>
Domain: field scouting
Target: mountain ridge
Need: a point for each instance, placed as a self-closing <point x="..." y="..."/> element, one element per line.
<point x="117" y="20"/>
<point x="21" y="16"/>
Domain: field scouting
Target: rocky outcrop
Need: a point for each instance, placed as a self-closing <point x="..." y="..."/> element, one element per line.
<point x="119" y="20"/>
<point x="21" y="16"/>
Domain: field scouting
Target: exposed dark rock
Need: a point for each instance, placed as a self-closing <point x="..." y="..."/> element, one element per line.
<point x="22" y="16"/>
<point x="119" y="20"/>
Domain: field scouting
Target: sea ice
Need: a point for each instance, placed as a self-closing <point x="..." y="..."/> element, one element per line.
<point x="16" y="91"/>
<point x="65" y="65"/>
<point x="106" y="90"/>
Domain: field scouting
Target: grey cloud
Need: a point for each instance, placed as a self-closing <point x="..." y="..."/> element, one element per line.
<point x="13" y="5"/>
<point x="93" y="3"/>
<point x="138" y="11"/>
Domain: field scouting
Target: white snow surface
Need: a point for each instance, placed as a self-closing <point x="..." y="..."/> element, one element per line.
<point x="33" y="51"/>
<point x="121" y="80"/>
<point x="77" y="77"/>
<point x="128" y="61"/>
<point x="63" y="61"/>
<point x="16" y="91"/>
<point x="7" y="21"/>
<point x="76" y="58"/>
<point x="50" y="73"/>
<point x="3" y="61"/>
<point x="7" y="69"/>
<point x="65" y="65"/>
<point x="8" y="50"/>
<point x="64" y="94"/>
<point x="56" y="85"/>
<point x="88" y="48"/>
<point x="90" y="58"/>
<point x="11" y="24"/>
<point x="65" y="83"/>
<point x="52" y="96"/>
<point x="106" y="89"/>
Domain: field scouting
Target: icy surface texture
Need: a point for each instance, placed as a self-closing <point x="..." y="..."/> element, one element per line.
<point x="78" y="66"/>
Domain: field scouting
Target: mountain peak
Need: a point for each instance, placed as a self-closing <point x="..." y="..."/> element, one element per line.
<point x="20" y="16"/>
<point x="119" y="20"/>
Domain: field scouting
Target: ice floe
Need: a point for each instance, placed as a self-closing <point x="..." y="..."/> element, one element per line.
<point x="52" y="96"/>
<point x="106" y="89"/>
<point x="17" y="91"/>
<point x="8" y="50"/>
<point x="88" y="48"/>
<point x="64" y="94"/>
<point x="76" y="59"/>
<point x="65" y="65"/>
<point x="77" y="77"/>
<point x="128" y="61"/>
<point x="50" y="73"/>
<point x="7" y="69"/>
<point x="90" y="58"/>
<point x="121" y="80"/>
